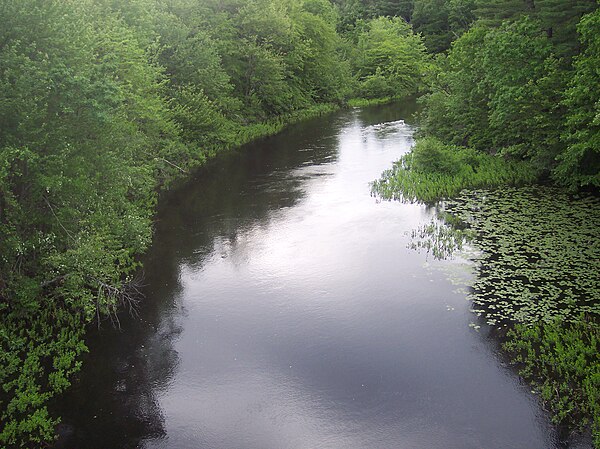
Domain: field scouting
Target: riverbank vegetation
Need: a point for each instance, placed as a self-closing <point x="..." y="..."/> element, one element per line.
<point x="104" y="103"/>
<point x="516" y="101"/>
<point x="434" y="170"/>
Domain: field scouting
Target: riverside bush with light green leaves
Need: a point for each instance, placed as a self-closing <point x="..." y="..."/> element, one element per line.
<point x="562" y="364"/>
<point x="434" y="170"/>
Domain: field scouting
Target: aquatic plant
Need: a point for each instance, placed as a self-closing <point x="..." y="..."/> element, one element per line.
<point x="562" y="364"/>
<point x="537" y="277"/>
<point x="434" y="170"/>
<point x="438" y="238"/>
<point x="540" y="253"/>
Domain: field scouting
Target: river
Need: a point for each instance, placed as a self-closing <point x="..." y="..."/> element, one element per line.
<point x="284" y="310"/>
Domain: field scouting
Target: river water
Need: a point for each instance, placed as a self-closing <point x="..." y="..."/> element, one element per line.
<point x="285" y="311"/>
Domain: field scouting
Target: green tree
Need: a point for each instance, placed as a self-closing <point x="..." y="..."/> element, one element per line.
<point x="525" y="85"/>
<point x="492" y="13"/>
<point x="430" y="18"/>
<point x="442" y="21"/>
<point x="579" y="164"/>
<point x="316" y="60"/>
<point x="85" y="120"/>
<point x="559" y="19"/>
<point x="457" y="107"/>
<point x="390" y="59"/>
<point x="354" y="11"/>
<point x="501" y="91"/>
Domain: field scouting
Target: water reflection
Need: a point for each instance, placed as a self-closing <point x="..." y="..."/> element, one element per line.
<point x="115" y="402"/>
<point x="285" y="311"/>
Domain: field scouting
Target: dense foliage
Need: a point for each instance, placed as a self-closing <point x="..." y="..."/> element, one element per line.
<point x="515" y="91"/>
<point x="579" y="163"/>
<point x="389" y="60"/>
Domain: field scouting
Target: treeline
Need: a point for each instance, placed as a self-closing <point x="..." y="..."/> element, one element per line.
<point x="512" y="78"/>
<point x="105" y="102"/>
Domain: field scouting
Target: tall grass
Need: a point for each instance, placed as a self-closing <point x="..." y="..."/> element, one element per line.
<point x="362" y="102"/>
<point x="434" y="171"/>
<point x="271" y="127"/>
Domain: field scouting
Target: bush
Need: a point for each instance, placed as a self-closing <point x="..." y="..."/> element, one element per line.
<point x="433" y="171"/>
<point x="432" y="156"/>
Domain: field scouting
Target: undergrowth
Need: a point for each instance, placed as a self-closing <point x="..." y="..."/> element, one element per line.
<point x="434" y="171"/>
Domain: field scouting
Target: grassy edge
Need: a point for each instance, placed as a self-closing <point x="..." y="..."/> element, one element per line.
<point x="433" y="171"/>
<point x="362" y="102"/>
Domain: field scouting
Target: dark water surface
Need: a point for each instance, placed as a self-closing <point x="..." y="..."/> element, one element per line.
<point x="284" y="311"/>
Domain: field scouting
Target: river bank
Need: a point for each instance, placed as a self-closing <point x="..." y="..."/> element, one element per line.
<point x="91" y="282"/>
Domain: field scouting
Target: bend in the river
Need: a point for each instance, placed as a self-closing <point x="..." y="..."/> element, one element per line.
<point x="284" y="310"/>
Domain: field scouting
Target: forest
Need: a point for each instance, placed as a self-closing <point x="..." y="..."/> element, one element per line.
<point x="104" y="104"/>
